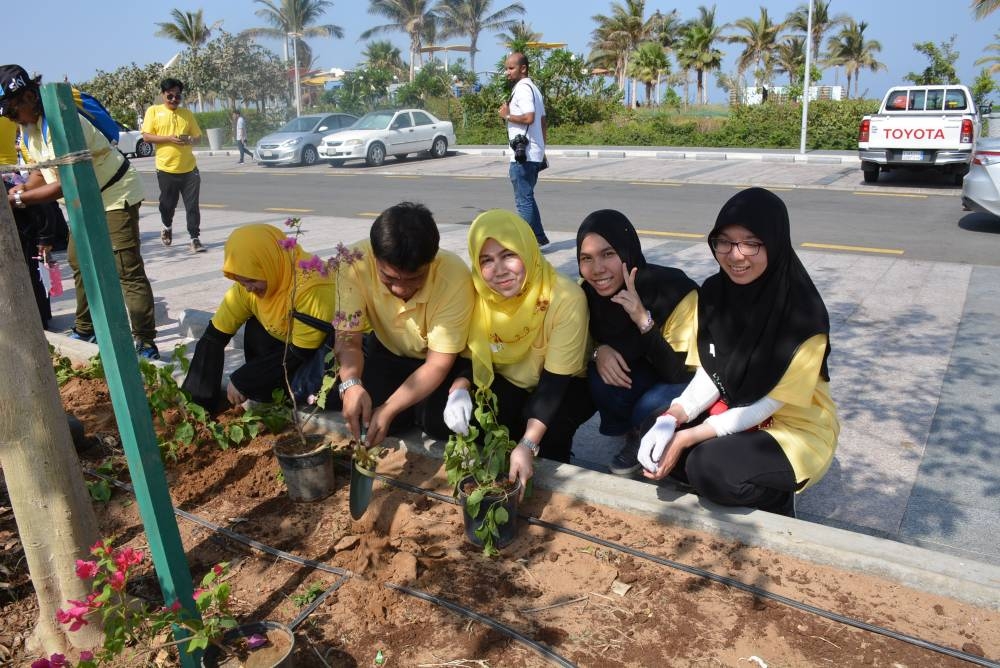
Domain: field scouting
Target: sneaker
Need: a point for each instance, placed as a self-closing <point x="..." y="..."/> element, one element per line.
<point x="147" y="350"/>
<point x="196" y="246"/>
<point x="166" y="236"/>
<point x="626" y="462"/>
<point x="86" y="338"/>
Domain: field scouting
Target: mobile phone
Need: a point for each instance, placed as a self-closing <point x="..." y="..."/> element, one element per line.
<point x="185" y="138"/>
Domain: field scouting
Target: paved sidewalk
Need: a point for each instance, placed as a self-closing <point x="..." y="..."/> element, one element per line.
<point x="914" y="355"/>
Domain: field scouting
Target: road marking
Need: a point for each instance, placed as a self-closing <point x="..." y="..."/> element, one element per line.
<point x="564" y="180"/>
<point x="400" y="176"/>
<point x="856" y="249"/>
<point x="211" y="206"/>
<point x="682" y="235"/>
<point x="910" y="195"/>
<point x="655" y="183"/>
<point x="284" y="210"/>
<point x="475" y="178"/>
<point x="341" y="174"/>
<point x="369" y="214"/>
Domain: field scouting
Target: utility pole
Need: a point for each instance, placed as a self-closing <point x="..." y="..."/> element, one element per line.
<point x="805" y="87"/>
<point x="295" y="57"/>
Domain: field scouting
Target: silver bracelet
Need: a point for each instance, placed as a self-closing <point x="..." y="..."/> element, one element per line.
<point x="648" y="325"/>
<point x="531" y="445"/>
<point x="346" y="385"/>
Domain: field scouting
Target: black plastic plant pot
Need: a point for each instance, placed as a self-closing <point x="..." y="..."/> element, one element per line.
<point x="308" y="476"/>
<point x="276" y="643"/>
<point x="361" y="490"/>
<point x="508" y="500"/>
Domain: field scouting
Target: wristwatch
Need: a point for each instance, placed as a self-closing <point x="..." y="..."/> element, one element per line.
<point x="531" y="445"/>
<point x="17" y="200"/>
<point x="346" y="385"/>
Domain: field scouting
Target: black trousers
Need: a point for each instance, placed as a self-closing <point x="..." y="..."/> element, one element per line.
<point x="745" y="469"/>
<point x="173" y="186"/>
<point x="30" y="223"/>
<point x="575" y="409"/>
<point x="242" y="146"/>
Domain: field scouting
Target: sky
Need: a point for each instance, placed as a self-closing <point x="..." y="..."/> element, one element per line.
<point x="76" y="39"/>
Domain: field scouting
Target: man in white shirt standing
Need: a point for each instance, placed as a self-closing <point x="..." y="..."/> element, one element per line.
<point x="241" y="136"/>
<point x="525" y="117"/>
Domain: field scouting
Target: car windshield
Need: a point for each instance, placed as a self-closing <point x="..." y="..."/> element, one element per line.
<point x="300" y="124"/>
<point x="376" y="120"/>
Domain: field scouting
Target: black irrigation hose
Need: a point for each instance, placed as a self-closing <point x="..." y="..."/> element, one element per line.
<point x="736" y="584"/>
<point x="513" y="633"/>
<point x="539" y="648"/>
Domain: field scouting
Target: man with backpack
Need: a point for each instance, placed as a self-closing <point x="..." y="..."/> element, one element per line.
<point x="121" y="192"/>
<point x="173" y="129"/>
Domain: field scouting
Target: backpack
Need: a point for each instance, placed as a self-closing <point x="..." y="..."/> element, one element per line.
<point x="91" y="108"/>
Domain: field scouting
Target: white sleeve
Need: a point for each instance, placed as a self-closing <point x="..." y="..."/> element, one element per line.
<point x="700" y="393"/>
<point x="742" y="418"/>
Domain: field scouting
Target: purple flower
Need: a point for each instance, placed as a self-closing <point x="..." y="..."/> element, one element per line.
<point x="256" y="640"/>
<point x="344" y="255"/>
<point x="288" y="243"/>
<point x="313" y="264"/>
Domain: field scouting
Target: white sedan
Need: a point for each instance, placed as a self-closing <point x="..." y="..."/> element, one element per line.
<point x="981" y="187"/>
<point x="131" y="143"/>
<point x="381" y="133"/>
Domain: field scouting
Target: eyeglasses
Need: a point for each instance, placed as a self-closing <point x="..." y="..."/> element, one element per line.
<point x="172" y="97"/>
<point x="725" y="246"/>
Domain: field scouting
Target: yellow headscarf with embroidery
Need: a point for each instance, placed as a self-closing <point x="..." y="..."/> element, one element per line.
<point x="255" y="252"/>
<point x="503" y="328"/>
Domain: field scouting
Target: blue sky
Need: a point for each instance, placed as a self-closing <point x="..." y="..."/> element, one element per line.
<point x="78" y="38"/>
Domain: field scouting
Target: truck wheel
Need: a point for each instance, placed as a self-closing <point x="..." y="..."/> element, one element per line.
<point x="958" y="178"/>
<point x="871" y="175"/>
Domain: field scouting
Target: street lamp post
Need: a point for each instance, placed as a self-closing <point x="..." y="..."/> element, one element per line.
<point x="295" y="58"/>
<point x="805" y="81"/>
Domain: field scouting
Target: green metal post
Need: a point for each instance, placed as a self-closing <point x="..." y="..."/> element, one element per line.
<point x="89" y="228"/>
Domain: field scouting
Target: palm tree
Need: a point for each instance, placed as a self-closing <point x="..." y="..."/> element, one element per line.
<point x="697" y="50"/>
<point x="188" y="28"/>
<point x="760" y="41"/>
<point x="648" y="64"/>
<point x="383" y="55"/>
<point x="519" y="32"/>
<point x="983" y="8"/>
<point x="992" y="59"/>
<point x="791" y="56"/>
<point x="412" y="17"/>
<point x="822" y="23"/>
<point x="471" y="17"/>
<point x="855" y="53"/>
<point x="618" y="35"/>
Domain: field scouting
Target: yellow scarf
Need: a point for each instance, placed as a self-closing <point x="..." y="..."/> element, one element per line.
<point x="503" y="329"/>
<point x="253" y="252"/>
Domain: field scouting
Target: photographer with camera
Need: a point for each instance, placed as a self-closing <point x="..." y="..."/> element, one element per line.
<point x="526" y="131"/>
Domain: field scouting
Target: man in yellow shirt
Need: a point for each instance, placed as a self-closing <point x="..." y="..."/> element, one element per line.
<point x="415" y="303"/>
<point x="173" y="129"/>
<point x="121" y="193"/>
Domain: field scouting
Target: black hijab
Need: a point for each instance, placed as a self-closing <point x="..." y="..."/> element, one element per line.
<point x="756" y="329"/>
<point x="660" y="288"/>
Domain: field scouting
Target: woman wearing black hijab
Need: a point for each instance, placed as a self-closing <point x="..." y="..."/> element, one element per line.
<point x="762" y="348"/>
<point x="640" y="321"/>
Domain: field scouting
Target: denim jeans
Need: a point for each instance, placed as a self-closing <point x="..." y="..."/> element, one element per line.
<point x="524" y="176"/>
<point x="624" y="408"/>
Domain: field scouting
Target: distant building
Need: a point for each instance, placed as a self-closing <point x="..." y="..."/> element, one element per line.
<point x="755" y="94"/>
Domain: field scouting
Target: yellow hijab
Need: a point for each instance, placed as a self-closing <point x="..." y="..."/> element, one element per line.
<point x="503" y="329"/>
<point x="254" y="252"/>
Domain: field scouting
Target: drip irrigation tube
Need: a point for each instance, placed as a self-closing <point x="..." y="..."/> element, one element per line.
<point x="316" y="601"/>
<point x="730" y="582"/>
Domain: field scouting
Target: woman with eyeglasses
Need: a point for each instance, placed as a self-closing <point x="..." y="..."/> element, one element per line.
<point x="756" y="424"/>
<point x="527" y="342"/>
<point x="640" y="322"/>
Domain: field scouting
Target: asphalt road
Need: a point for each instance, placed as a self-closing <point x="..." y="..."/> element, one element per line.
<point x="917" y="218"/>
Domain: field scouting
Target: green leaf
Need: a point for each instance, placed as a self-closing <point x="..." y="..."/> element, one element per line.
<point x="236" y="434"/>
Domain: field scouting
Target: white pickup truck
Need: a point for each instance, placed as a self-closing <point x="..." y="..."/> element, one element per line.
<point x="920" y="127"/>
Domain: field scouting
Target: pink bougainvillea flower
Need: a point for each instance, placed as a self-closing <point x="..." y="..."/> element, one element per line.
<point x="41" y="663"/>
<point x="86" y="655"/>
<point x="117" y="580"/>
<point x="314" y="264"/>
<point x="292" y="222"/>
<point x="288" y="243"/>
<point x="85" y="569"/>
<point x="73" y="615"/>
<point x="198" y="592"/>
<point x="256" y="640"/>
<point x="126" y="557"/>
<point x="218" y="569"/>
<point x="58" y="661"/>
<point x="175" y="606"/>
<point x="100" y="547"/>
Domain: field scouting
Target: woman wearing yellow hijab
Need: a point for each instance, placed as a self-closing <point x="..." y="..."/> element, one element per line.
<point x="265" y="266"/>
<point x="527" y="343"/>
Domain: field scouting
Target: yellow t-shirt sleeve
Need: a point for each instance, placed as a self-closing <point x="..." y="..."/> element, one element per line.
<point x="350" y="297"/>
<point x="681" y="328"/>
<point x="798" y="384"/>
<point x="567" y="345"/>
<point x="450" y="314"/>
<point x="233" y="311"/>
<point x="147" y="122"/>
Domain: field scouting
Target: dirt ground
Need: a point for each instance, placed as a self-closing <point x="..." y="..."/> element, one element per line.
<point x="591" y="605"/>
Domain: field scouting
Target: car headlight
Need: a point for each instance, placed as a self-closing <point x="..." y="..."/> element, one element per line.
<point x="353" y="142"/>
<point x="292" y="142"/>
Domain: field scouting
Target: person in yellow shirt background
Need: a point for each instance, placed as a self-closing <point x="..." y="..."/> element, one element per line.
<point x="528" y="344"/>
<point x="758" y="421"/>
<point x="173" y="129"/>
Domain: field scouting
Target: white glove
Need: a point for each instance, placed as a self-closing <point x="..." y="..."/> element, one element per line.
<point x="655" y="441"/>
<point x="458" y="411"/>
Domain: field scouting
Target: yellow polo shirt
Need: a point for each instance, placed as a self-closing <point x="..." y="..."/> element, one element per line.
<point x="8" y="141"/>
<point x="806" y="426"/>
<point x="162" y="120"/>
<point x="107" y="159"/>
<point x="435" y="318"/>
<point x="561" y="343"/>
<point x="238" y="305"/>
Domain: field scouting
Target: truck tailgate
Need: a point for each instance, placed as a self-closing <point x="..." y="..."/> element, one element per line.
<point x="932" y="131"/>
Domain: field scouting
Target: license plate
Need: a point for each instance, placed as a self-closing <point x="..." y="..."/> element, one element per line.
<point x="913" y="155"/>
<point x="269" y="154"/>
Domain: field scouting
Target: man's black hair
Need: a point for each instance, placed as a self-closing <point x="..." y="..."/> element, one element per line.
<point x="170" y="83"/>
<point x="405" y="236"/>
<point x="521" y="59"/>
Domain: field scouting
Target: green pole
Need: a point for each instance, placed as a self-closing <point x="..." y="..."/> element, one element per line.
<point x="89" y="228"/>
